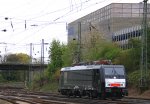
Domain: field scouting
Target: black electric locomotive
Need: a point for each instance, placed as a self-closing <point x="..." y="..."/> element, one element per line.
<point x="103" y="81"/>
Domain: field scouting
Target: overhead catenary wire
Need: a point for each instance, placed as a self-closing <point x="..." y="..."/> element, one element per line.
<point x="48" y="13"/>
<point x="26" y="22"/>
<point x="30" y="36"/>
<point x="31" y="19"/>
<point x="66" y="8"/>
<point x="42" y="23"/>
<point x="73" y="12"/>
<point x="69" y="12"/>
<point x="46" y="23"/>
<point x="59" y="10"/>
<point x="19" y="46"/>
<point x="12" y="24"/>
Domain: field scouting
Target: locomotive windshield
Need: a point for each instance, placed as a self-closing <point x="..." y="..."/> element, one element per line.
<point x="113" y="71"/>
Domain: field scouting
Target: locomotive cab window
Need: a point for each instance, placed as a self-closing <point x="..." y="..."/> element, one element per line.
<point x="114" y="71"/>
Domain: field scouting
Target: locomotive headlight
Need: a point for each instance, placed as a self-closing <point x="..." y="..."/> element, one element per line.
<point x="122" y="84"/>
<point x="108" y="84"/>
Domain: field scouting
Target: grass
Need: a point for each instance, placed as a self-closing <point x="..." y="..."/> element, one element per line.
<point x="50" y="87"/>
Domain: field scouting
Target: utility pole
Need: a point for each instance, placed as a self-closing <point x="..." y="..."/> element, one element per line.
<point x="30" y="65"/>
<point x="143" y="64"/>
<point x="42" y="55"/>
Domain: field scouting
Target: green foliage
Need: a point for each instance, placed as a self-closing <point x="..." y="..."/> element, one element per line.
<point x="12" y="58"/>
<point x="51" y="69"/>
<point x="1" y="78"/>
<point x="23" y="58"/>
<point x="110" y="51"/>
<point x="55" y="55"/>
<point x="15" y="75"/>
<point x="135" y="54"/>
<point x="39" y="80"/>
<point x="92" y="48"/>
<point x="69" y="53"/>
<point x="130" y="58"/>
<point x="44" y="82"/>
<point x="56" y="75"/>
<point x="133" y="78"/>
<point x="18" y="58"/>
<point x="50" y="87"/>
<point x="97" y="47"/>
<point x="124" y="59"/>
<point x="12" y="75"/>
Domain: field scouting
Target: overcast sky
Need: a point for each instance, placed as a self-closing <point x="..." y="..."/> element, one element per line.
<point x="30" y="21"/>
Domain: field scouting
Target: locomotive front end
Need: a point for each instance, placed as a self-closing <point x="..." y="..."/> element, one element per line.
<point x="115" y="82"/>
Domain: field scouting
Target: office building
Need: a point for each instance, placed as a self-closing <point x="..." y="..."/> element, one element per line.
<point x="117" y="22"/>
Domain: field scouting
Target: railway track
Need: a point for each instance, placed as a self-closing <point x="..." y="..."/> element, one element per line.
<point x="21" y="96"/>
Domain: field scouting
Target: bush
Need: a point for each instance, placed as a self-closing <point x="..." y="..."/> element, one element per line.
<point x="134" y="78"/>
<point x="56" y="76"/>
<point x="1" y="78"/>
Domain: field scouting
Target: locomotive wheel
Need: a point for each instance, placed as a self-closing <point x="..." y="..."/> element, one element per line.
<point x="68" y="93"/>
<point x="94" y="94"/>
<point x="102" y="96"/>
<point x="90" y="95"/>
<point x="80" y="96"/>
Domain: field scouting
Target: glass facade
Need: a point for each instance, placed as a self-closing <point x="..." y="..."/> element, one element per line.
<point x="128" y="10"/>
<point x="116" y="22"/>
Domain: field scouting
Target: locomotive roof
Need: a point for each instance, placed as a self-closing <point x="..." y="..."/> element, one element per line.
<point x="88" y="67"/>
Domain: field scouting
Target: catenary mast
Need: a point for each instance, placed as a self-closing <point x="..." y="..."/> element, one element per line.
<point x="143" y="63"/>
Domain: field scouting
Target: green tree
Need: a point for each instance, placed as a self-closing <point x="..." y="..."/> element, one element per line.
<point x="15" y="75"/>
<point x="110" y="51"/>
<point x="55" y="55"/>
<point x="135" y="54"/>
<point x="130" y="58"/>
<point x="97" y="47"/>
<point x="18" y="58"/>
<point x="124" y="59"/>
<point x="23" y="58"/>
<point x="93" y="46"/>
<point x="12" y="58"/>
<point x="69" y="53"/>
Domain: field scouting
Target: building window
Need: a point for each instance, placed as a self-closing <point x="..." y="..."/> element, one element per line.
<point x="127" y="5"/>
<point x="127" y="10"/>
<point x="135" y="15"/>
<point x="117" y="5"/>
<point x="117" y="10"/>
<point x="117" y="15"/>
<point x="137" y="6"/>
<point x="126" y="15"/>
<point x="135" y="10"/>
